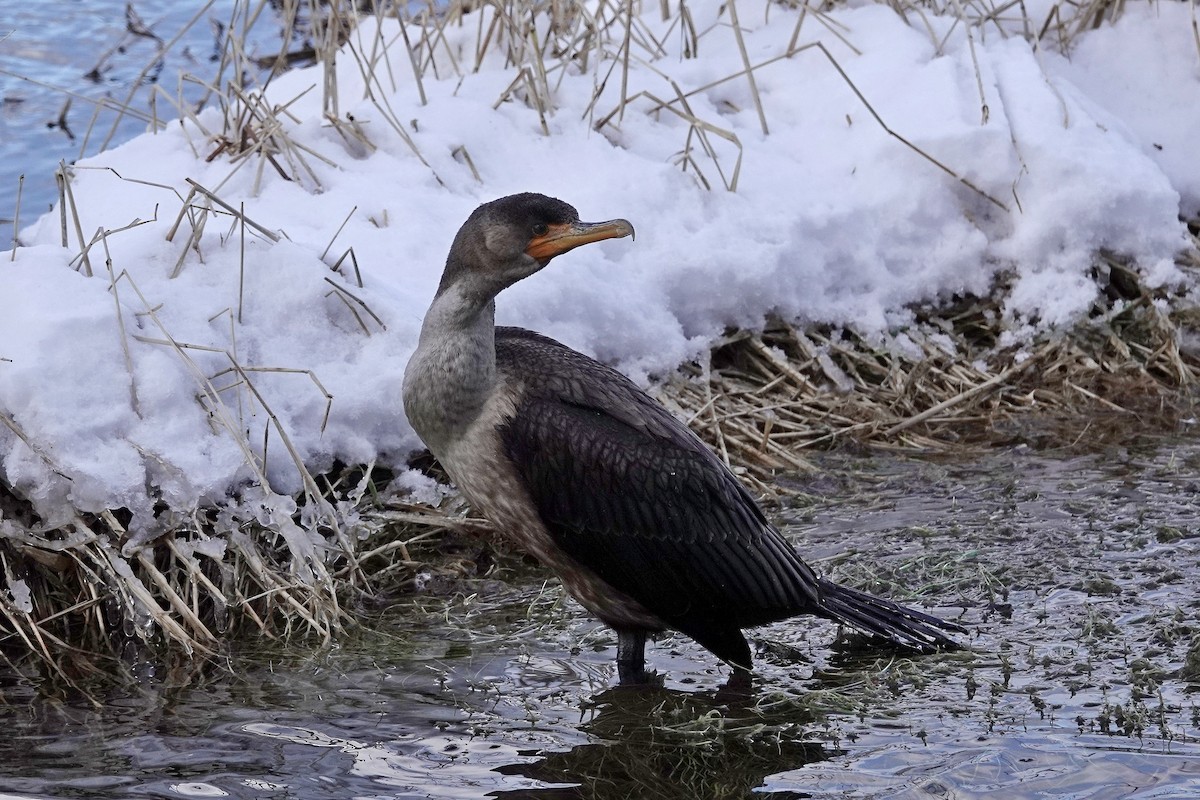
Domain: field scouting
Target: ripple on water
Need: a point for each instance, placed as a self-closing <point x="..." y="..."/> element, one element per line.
<point x="1080" y="617"/>
<point x="58" y="44"/>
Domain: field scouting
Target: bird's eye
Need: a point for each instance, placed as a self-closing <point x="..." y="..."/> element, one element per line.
<point x="540" y="229"/>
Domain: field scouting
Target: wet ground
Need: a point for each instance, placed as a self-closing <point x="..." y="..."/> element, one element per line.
<point x="1077" y="577"/>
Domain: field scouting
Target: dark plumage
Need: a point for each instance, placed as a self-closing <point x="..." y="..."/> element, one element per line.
<point x="644" y="524"/>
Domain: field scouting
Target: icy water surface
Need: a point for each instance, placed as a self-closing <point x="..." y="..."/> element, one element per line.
<point x="1076" y="576"/>
<point x="60" y="59"/>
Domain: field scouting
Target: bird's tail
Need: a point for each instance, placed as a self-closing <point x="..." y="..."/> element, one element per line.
<point x="892" y="621"/>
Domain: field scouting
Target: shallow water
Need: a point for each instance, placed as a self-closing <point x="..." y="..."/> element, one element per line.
<point x="1076" y="576"/>
<point x="48" y="49"/>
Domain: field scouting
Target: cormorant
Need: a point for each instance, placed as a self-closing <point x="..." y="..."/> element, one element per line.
<point x="570" y="460"/>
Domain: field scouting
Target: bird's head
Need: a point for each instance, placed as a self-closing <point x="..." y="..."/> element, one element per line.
<point x="511" y="238"/>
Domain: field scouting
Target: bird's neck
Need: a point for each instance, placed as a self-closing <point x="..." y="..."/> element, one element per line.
<point x="453" y="371"/>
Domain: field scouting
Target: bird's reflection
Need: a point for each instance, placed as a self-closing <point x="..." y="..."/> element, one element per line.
<point x="656" y="742"/>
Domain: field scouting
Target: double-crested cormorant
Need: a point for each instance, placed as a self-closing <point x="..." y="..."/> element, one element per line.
<point x="645" y="526"/>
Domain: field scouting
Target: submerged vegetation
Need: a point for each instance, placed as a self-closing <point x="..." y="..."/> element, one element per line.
<point x="75" y="593"/>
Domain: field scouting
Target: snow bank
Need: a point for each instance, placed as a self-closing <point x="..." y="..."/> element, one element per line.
<point x="834" y="220"/>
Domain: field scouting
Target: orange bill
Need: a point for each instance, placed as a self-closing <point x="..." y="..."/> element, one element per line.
<point x="569" y="235"/>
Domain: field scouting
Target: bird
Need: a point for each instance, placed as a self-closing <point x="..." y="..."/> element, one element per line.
<point x="646" y="527"/>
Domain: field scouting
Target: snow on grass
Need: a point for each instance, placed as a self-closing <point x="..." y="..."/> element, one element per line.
<point x="834" y="220"/>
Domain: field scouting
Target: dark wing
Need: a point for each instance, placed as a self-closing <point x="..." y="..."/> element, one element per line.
<point x="631" y="493"/>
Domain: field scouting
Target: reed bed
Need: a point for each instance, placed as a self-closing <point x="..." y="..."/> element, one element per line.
<point x="78" y="602"/>
<point x="945" y="382"/>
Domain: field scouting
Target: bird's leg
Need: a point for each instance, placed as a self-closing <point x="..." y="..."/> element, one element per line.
<point x="631" y="656"/>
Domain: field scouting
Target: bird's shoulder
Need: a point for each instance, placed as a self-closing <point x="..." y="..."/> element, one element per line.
<point x="578" y="421"/>
<point x="549" y="373"/>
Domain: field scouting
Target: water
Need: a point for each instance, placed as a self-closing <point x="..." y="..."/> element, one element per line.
<point x="1075" y="574"/>
<point x="48" y="49"/>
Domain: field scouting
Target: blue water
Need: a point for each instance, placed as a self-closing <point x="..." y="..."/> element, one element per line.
<point x="48" y="49"/>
